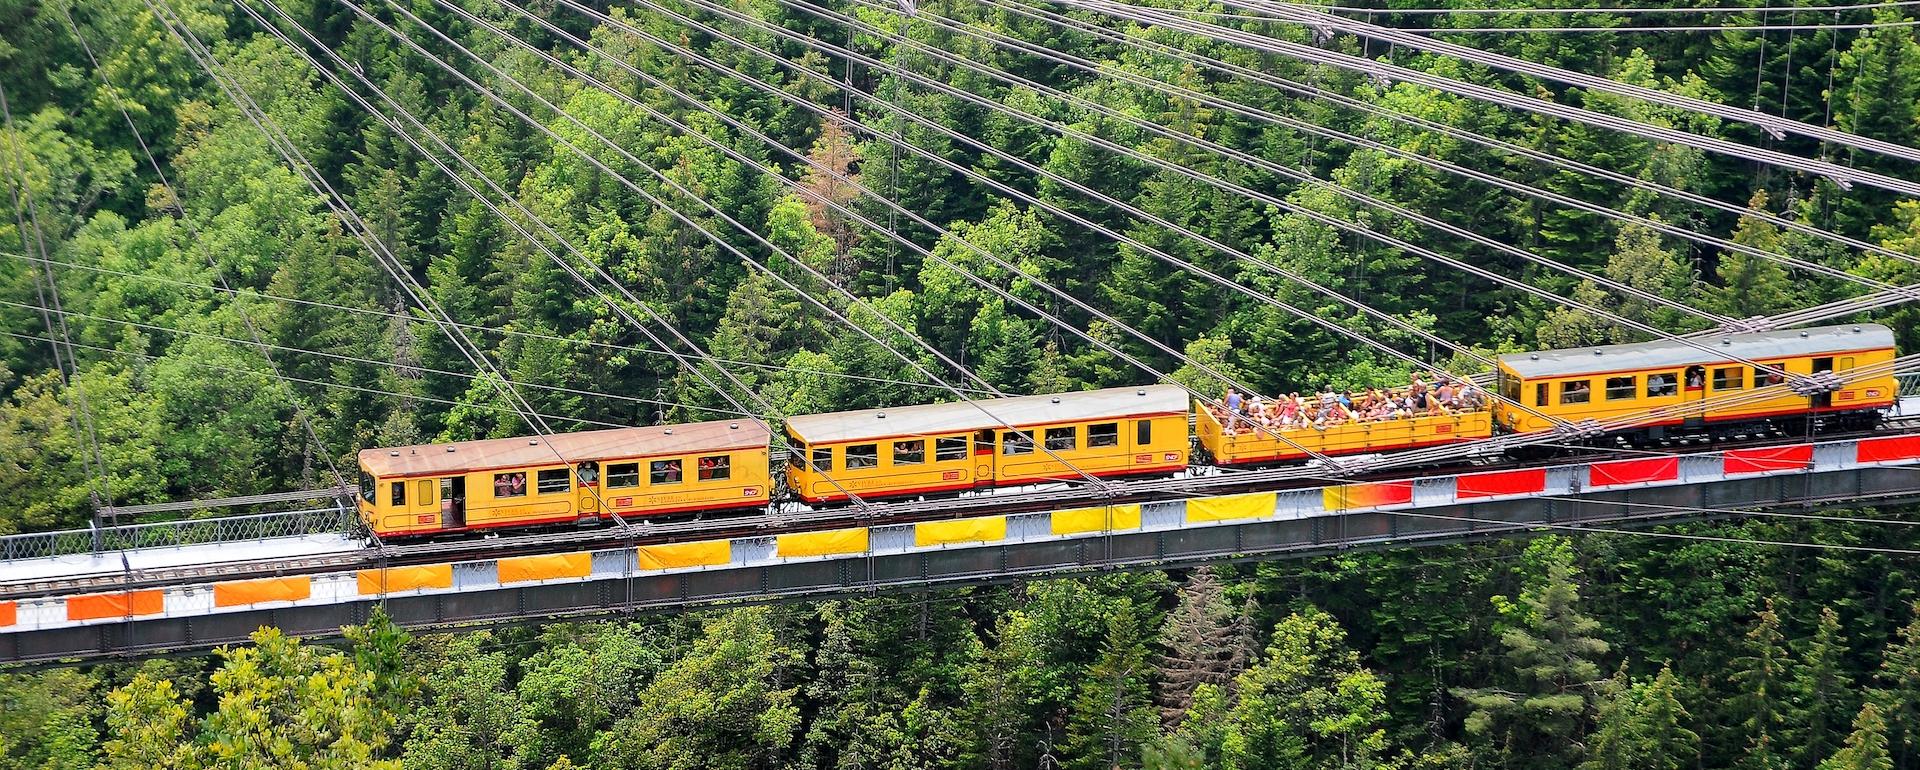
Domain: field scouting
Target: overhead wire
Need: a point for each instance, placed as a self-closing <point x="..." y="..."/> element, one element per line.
<point x="1842" y="175"/>
<point x="301" y="413"/>
<point x="1062" y="22"/>
<point x="100" y="479"/>
<point x="1307" y="14"/>
<point x="1641" y="10"/>
<point x="892" y="205"/>
<point x="297" y="160"/>
<point x="1055" y="209"/>
<point x="1235" y="188"/>
<point x="1563" y="30"/>
<point x="688" y="194"/>
<point x="373" y="361"/>
<point x="333" y="78"/>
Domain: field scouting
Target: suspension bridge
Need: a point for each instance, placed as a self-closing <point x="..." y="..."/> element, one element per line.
<point x="143" y="588"/>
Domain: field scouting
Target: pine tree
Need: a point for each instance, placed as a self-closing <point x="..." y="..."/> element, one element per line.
<point x="1198" y="637"/>
<point x="1898" y="693"/>
<point x="1750" y="285"/>
<point x="1761" y="679"/>
<point x="1866" y="747"/>
<point x="1307" y="704"/>
<point x="1551" y="653"/>
<point x="1113" y="712"/>
<point x="1823" y="692"/>
<point x="1643" y="725"/>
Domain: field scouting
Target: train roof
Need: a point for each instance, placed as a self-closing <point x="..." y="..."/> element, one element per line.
<point x="1756" y="346"/>
<point x="960" y="417"/>
<point x="612" y="444"/>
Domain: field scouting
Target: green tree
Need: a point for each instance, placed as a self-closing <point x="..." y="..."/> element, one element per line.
<point x="1551" y="649"/>
<point x="1897" y="692"/>
<point x="1762" y="680"/>
<point x="1866" y="746"/>
<point x="1823" y="692"/>
<point x="1113" y="712"/>
<point x="1642" y="724"/>
<point x="1308" y="703"/>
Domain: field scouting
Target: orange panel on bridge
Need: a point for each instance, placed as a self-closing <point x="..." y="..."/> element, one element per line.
<point x="395" y="579"/>
<point x="1768" y="459"/>
<point x="671" y="555"/>
<point x="1519" y="482"/>
<point x="9" y="614"/>
<point x="281" y="589"/>
<point x="522" y="569"/>
<point x="118" y="605"/>
<point x="1348" y="496"/>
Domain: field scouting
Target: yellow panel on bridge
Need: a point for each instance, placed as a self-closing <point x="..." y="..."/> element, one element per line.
<point x="822" y="543"/>
<point x="671" y="555"/>
<point x="1230" y="507"/>
<point x="1100" y="519"/>
<point x="983" y="529"/>
<point x="558" y="566"/>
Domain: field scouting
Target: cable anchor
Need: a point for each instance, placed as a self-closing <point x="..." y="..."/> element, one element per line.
<point x="1817" y="383"/>
<point x="1749" y="325"/>
<point x="1580" y="431"/>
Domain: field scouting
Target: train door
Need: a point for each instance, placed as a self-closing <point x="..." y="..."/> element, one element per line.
<point x="453" y="502"/>
<point x="587" y="491"/>
<point x="984" y="452"/>
<point x="416" y="498"/>
<point x="1822" y="400"/>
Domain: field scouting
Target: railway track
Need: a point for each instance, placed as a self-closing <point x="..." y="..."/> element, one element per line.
<point x="1015" y="501"/>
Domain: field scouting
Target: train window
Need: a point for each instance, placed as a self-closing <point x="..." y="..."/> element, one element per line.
<point x="910" y="452"/>
<point x="1575" y="392"/>
<point x="797" y="456"/>
<point x="863" y="456"/>
<point x="1665" y="384"/>
<point x="1622" y="388"/>
<point x="1015" y="442"/>
<point x="366" y="488"/>
<point x="823" y="458"/>
<point x="663" y="472"/>
<point x="1103" y="434"/>
<point x="553" y="481"/>
<point x="510" y="484"/>
<point x="1540" y="394"/>
<point x="1763" y="377"/>
<point x="1061" y="439"/>
<point x="716" y="468"/>
<point x="950" y="448"/>
<point x="1142" y="432"/>
<point x="1730" y="378"/>
<point x="623" y="475"/>
<point x="588" y="473"/>
<point x="399" y="495"/>
<point x="1509" y="387"/>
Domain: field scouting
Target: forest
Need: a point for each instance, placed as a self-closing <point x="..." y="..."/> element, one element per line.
<point x="247" y="239"/>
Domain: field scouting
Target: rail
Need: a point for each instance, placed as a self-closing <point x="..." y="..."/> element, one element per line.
<point x="185" y="532"/>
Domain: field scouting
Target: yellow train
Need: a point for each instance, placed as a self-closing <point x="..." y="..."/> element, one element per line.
<point x="1665" y="390"/>
<point x="931" y="448"/>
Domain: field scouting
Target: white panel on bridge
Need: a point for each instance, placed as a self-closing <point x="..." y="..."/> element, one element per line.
<point x="620" y="562"/>
<point x="1172" y="513"/>
<point x="1563" y="481"/>
<point x="470" y="574"/>
<point x="747" y="550"/>
<point x="898" y="537"/>
<point x="1699" y="468"/>
<point x="1298" y="504"/>
<point x="1433" y="491"/>
<point x="1833" y="457"/>
<point x="1026" y="526"/>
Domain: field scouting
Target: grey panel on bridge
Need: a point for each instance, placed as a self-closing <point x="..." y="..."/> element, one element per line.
<point x="897" y="571"/>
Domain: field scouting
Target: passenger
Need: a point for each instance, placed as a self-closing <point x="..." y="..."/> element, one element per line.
<point x="1696" y="378"/>
<point x="1233" y="401"/>
<point x="1447" y="393"/>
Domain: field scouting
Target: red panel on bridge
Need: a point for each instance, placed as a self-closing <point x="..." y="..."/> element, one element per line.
<point x="1500" y="483"/>
<point x="1618" y="472"/>
<point x="1769" y="459"/>
<point x="1876" y="450"/>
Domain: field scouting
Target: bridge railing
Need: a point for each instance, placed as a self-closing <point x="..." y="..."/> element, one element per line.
<point x="185" y="532"/>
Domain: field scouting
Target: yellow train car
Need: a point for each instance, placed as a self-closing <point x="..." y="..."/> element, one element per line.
<point x="915" y="450"/>
<point x="1674" y="387"/>
<point x="1239" y="443"/>
<point x="569" y="477"/>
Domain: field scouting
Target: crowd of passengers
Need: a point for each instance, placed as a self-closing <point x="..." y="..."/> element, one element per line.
<point x="1243" y="413"/>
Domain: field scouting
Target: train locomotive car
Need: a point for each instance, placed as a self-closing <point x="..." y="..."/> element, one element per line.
<point x="1688" y="392"/>
<point x="934" y="448"/>
<point x="431" y="489"/>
